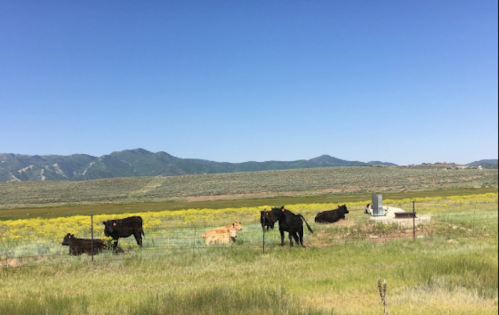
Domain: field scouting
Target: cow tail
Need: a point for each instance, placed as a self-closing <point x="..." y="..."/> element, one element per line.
<point x="141" y="228"/>
<point x="308" y="226"/>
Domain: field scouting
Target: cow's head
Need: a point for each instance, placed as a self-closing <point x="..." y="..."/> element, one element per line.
<point x="237" y="226"/>
<point x="232" y="233"/>
<point x="343" y="208"/>
<point x="67" y="239"/>
<point x="109" y="227"/>
<point x="267" y="217"/>
<point x="277" y="214"/>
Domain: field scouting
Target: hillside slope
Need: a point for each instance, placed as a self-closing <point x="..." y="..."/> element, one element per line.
<point x="139" y="162"/>
<point x="304" y="182"/>
<point x="488" y="164"/>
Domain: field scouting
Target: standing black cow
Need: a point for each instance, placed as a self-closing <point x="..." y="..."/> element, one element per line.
<point x="291" y="223"/>
<point x="331" y="216"/>
<point x="267" y="219"/>
<point x="124" y="228"/>
<point x="78" y="246"/>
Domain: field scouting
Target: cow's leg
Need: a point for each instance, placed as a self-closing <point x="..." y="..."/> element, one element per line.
<point x="115" y="244"/>
<point x="282" y="237"/>
<point x="138" y="238"/>
<point x="290" y="236"/>
<point x="300" y="232"/>
<point x="297" y="240"/>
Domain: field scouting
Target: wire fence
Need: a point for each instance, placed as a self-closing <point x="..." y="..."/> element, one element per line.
<point x="187" y="240"/>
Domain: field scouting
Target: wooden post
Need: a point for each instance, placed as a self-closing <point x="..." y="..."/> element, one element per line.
<point x="382" y="294"/>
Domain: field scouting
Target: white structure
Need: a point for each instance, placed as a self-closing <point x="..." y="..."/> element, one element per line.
<point x="377" y="206"/>
<point x="389" y="218"/>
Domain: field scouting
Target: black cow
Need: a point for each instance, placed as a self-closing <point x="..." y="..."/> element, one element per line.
<point x="78" y="246"/>
<point x="267" y="219"/>
<point x="124" y="228"/>
<point x="331" y="216"/>
<point x="291" y="223"/>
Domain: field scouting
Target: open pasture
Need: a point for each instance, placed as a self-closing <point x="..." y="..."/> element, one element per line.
<point x="314" y="183"/>
<point x="451" y="268"/>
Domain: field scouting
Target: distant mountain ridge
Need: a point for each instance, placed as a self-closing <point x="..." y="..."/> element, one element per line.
<point x="140" y="162"/>
<point x="489" y="164"/>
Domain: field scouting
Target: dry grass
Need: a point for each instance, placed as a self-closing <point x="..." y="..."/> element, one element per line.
<point x="304" y="182"/>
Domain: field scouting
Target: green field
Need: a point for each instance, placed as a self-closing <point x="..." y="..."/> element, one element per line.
<point x="450" y="268"/>
<point x="216" y="191"/>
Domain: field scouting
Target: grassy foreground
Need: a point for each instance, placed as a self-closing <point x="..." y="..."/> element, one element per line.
<point x="425" y="277"/>
<point x="452" y="268"/>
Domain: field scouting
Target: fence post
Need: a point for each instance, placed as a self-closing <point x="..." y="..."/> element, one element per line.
<point x="263" y="230"/>
<point x="474" y="219"/>
<point x="92" y="235"/>
<point x="414" y="220"/>
<point x="6" y="252"/>
<point x="382" y="294"/>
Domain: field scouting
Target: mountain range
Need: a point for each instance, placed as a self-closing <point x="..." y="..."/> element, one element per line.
<point x="140" y="162"/>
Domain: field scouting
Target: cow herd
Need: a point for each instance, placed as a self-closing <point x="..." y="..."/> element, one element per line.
<point x="287" y="220"/>
<point x="112" y="228"/>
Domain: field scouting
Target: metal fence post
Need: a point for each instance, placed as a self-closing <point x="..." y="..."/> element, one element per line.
<point x="414" y="220"/>
<point x="263" y="231"/>
<point x="92" y="235"/>
<point x="474" y="219"/>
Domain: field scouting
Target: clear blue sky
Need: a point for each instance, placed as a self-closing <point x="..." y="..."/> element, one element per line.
<point x="232" y="81"/>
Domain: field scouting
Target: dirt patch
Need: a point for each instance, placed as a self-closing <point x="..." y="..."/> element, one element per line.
<point x="242" y="196"/>
<point x="350" y="189"/>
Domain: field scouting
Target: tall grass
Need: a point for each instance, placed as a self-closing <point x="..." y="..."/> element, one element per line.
<point x="426" y="277"/>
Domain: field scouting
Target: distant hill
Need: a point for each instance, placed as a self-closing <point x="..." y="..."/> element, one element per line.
<point x="140" y="162"/>
<point x="489" y="164"/>
<point x="381" y="163"/>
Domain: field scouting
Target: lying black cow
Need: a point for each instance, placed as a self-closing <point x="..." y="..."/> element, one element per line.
<point x="291" y="223"/>
<point x="78" y="246"/>
<point x="124" y="228"/>
<point x="331" y="216"/>
<point x="267" y="220"/>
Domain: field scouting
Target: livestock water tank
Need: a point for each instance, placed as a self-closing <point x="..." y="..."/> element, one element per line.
<point x="377" y="205"/>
